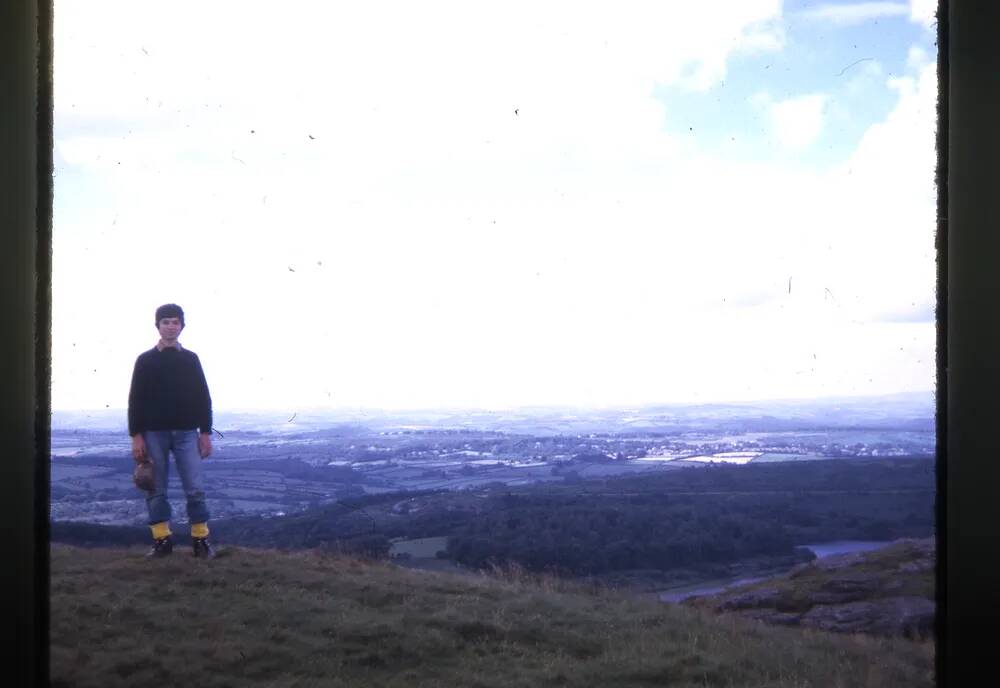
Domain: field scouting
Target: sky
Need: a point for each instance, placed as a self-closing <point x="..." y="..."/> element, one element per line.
<point x="409" y="205"/>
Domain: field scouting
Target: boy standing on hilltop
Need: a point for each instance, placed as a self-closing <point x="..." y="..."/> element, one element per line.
<point x="170" y="411"/>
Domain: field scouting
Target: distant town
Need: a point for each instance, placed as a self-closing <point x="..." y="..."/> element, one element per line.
<point x="268" y="466"/>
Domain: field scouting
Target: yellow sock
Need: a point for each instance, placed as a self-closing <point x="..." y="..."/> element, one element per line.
<point x="199" y="530"/>
<point x="161" y="530"/>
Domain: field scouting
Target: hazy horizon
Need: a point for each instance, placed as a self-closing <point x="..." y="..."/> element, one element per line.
<point x="927" y="396"/>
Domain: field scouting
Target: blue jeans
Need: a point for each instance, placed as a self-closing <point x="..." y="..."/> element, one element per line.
<point x="184" y="446"/>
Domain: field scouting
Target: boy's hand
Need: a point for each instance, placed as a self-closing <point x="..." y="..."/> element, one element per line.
<point x="205" y="444"/>
<point x="138" y="448"/>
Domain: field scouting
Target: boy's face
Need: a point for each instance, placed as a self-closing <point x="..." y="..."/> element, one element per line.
<point x="169" y="328"/>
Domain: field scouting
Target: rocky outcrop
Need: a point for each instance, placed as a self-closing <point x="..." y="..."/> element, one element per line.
<point x="887" y="592"/>
<point x="774" y="617"/>
<point x="752" y="599"/>
<point x="907" y="616"/>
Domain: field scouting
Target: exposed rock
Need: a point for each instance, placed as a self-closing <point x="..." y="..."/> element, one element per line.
<point x="909" y="616"/>
<point x="835" y="597"/>
<point x="921" y="547"/>
<point x="888" y="592"/>
<point x="773" y="617"/>
<point x="765" y="597"/>
<point x="845" y="588"/>
<point x="851" y="583"/>
<point x="916" y="566"/>
<point x="853" y="617"/>
<point x="839" y="561"/>
<point x="892" y="586"/>
<point x="800" y="570"/>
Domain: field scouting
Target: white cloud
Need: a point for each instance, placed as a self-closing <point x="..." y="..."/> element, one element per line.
<point x="443" y="247"/>
<point x="882" y="204"/>
<point x="923" y="11"/>
<point x="866" y="76"/>
<point x="917" y="58"/>
<point x="706" y="70"/>
<point x="796" y="123"/>
<point x="856" y="13"/>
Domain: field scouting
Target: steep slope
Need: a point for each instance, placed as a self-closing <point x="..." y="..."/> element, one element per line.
<point x="887" y="592"/>
<point x="264" y="617"/>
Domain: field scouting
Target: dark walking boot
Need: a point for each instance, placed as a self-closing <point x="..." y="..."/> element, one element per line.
<point x="161" y="548"/>
<point x="202" y="548"/>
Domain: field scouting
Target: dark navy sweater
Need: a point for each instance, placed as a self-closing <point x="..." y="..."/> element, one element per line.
<point x="168" y="392"/>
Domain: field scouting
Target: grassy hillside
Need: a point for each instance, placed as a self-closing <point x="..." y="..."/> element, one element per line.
<point x="890" y="591"/>
<point x="267" y="618"/>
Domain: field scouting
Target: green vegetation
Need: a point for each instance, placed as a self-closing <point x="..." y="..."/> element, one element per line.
<point x="699" y="518"/>
<point x="693" y="519"/>
<point x="308" y="618"/>
<point x="588" y="535"/>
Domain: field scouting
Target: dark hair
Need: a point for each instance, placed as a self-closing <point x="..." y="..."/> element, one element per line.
<point x="169" y="310"/>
